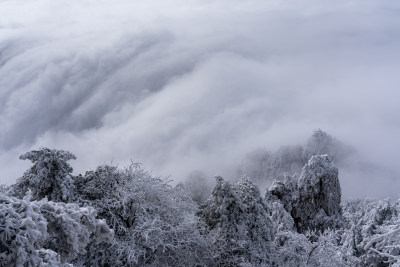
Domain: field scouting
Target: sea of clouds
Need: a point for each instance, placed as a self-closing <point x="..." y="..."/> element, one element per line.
<point x="197" y="84"/>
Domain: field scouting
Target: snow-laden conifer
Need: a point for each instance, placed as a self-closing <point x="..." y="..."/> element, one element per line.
<point x="238" y="224"/>
<point x="45" y="233"/>
<point x="154" y="222"/>
<point x="373" y="231"/>
<point x="50" y="176"/>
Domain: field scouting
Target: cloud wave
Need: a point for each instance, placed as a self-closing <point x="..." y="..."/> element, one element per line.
<point x="186" y="85"/>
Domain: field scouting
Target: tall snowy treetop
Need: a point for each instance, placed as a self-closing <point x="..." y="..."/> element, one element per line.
<point x="50" y="176"/>
<point x="46" y="153"/>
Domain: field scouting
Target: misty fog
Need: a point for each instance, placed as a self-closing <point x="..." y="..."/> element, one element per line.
<point x="196" y="88"/>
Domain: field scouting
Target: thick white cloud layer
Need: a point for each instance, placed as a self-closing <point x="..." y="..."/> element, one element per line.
<point x="186" y="85"/>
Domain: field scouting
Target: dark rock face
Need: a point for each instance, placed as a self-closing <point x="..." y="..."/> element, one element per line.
<point x="313" y="200"/>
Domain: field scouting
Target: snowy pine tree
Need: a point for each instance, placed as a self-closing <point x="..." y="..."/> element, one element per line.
<point x="45" y="233"/>
<point x="238" y="224"/>
<point x="50" y="176"/>
<point x="373" y="232"/>
<point x="154" y="223"/>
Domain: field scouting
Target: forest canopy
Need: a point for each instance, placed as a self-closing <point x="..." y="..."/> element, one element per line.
<point x="115" y="216"/>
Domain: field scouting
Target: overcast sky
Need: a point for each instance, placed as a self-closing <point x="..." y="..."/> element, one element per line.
<point x="195" y="85"/>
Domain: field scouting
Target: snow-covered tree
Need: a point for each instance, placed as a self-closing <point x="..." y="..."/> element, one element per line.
<point x="154" y="222"/>
<point x="312" y="249"/>
<point x="45" y="233"/>
<point x="72" y="228"/>
<point x="23" y="232"/>
<point x="50" y="176"/>
<point x="373" y="232"/>
<point x="4" y="189"/>
<point x="238" y="224"/>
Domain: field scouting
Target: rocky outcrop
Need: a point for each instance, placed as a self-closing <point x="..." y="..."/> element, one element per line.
<point x="313" y="200"/>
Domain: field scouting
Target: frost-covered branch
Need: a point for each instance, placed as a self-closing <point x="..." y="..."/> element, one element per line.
<point x="45" y="233"/>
